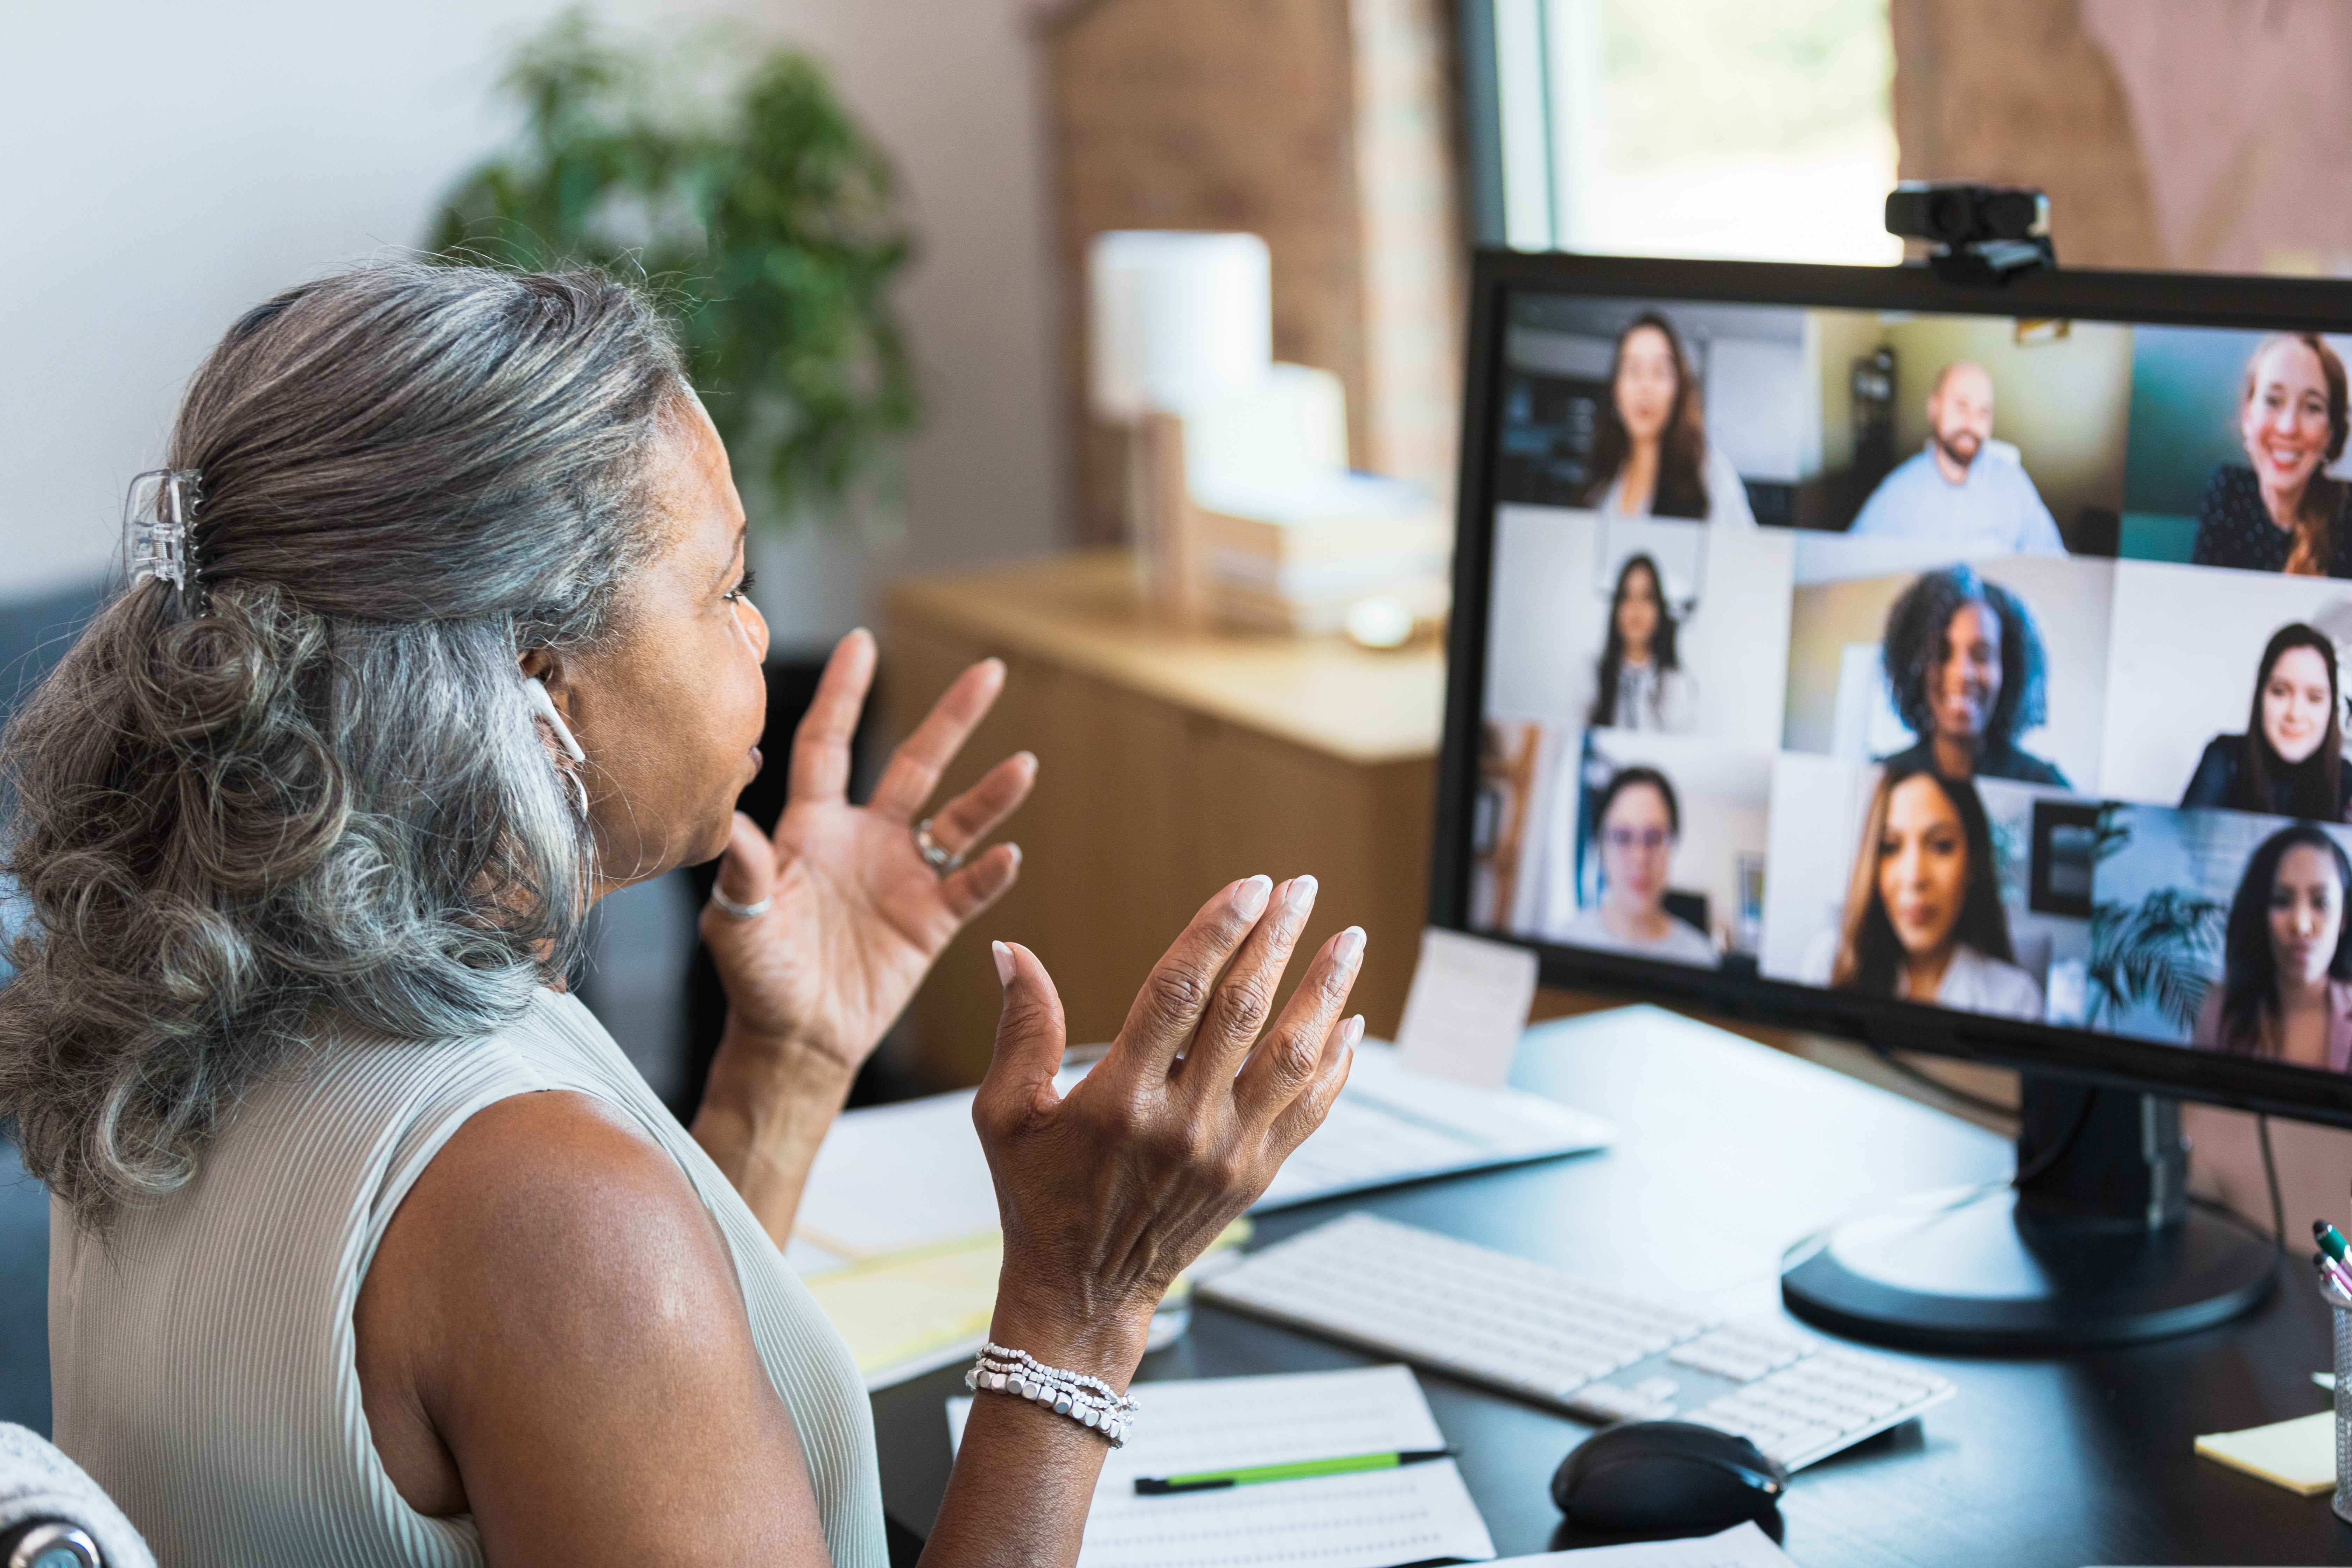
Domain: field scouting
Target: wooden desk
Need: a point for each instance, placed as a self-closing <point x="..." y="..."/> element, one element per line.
<point x="1728" y="1153"/>
<point x="1170" y="764"/>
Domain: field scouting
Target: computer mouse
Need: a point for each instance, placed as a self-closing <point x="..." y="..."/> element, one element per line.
<point x="1651" y="1476"/>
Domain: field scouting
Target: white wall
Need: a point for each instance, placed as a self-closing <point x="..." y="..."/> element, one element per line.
<point x="169" y="165"/>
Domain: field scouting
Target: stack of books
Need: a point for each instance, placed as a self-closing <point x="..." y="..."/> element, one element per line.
<point x="1295" y="555"/>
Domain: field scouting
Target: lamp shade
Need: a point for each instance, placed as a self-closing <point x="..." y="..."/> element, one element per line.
<point x="1176" y="318"/>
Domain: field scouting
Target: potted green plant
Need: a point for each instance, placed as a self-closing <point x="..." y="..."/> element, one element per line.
<point x="2158" y="950"/>
<point x="773" y="227"/>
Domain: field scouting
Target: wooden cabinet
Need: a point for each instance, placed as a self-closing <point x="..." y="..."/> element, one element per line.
<point x="1170" y="764"/>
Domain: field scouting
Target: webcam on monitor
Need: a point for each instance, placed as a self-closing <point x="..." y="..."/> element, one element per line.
<point x="1983" y="234"/>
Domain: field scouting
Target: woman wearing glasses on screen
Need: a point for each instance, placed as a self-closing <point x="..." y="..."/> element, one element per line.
<point x="2290" y="761"/>
<point x="2282" y="513"/>
<point x="1924" y="921"/>
<point x="2286" y="981"/>
<point x="1636" y="821"/>
<point x="1651" y="456"/>
<point x="1642" y="685"/>
<point x="1965" y="664"/>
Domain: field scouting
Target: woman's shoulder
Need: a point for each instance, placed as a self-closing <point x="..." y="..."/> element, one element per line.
<point x="2025" y="768"/>
<point x="2233" y="529"/>
<point x="2206" y="1030"/>
<point x="1686" y="943"/>
<point x="1918" y="754"/>
<point x="2000" y="988"/>
<point x="2217" y="771"/>
<point x="2229" y="483"/>
<point x="1727" y="492"/>
<point x="1821" y="958"/>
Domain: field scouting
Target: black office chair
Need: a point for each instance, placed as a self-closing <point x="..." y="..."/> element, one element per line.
<point x="1690" y="908"/>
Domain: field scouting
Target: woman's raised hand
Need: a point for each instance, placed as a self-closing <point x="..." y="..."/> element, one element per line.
<point x="857" y="914"/>
<point x="1106" y="1193"/>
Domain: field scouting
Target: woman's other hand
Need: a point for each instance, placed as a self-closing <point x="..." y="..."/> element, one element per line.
<point x="1109" y="1192"/>
<point x="857" y="914"/>
<point x="855" y="917"/>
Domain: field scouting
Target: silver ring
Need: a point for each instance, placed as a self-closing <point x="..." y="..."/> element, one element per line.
<point x="735" y="912"/>
<point x="935" y="855"/>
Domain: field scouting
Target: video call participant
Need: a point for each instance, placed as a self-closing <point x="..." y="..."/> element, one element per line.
<point x="1924" y="921"/>
<point x="1962" y="491"/>
<point x="1651" y="456"/>
<point x="1965" y="664"/>
<point x="2287" y="980"/>
<point x="1636" y="822"/>
<point x="2290" y="761"/>
<point x="1640" y="684"/>
<point x="2283" y="514"/>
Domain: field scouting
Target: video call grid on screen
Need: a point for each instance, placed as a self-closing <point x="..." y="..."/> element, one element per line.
<point x="1913" y="655"/>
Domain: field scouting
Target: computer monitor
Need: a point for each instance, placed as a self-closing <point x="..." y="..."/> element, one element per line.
<point x="1952" y="669"/>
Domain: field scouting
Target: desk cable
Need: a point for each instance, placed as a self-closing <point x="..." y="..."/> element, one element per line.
<point x="2270" y="1174"/>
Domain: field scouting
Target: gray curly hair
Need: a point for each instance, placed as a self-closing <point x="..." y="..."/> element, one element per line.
<point x="310" y="792"/>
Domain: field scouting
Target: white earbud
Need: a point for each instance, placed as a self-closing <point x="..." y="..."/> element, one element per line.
<point x="535" y="691"/>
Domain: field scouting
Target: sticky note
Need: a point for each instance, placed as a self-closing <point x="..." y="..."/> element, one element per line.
<point x="2299" y="1455"/>
<point x="1467" y="1009"/>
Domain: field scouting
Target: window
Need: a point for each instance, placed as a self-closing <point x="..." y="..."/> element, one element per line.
<point x="1684" y="127"/>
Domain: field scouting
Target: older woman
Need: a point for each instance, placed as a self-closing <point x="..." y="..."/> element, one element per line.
<point x="370" y="1247"/>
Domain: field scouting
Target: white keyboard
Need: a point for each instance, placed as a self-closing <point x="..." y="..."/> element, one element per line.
<point x="1547" y="1336"/>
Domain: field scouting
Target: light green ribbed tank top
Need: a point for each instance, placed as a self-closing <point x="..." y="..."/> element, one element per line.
<point x="201" y="1359"/>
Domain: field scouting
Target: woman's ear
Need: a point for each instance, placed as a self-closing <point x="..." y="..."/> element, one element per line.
<point x="546" y="666"/>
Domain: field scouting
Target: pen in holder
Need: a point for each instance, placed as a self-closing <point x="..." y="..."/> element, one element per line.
<point x="2340" y="1307"/>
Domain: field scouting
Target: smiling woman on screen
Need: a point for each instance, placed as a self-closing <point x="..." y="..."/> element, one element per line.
<point x="2290" y="761"/>
<point x="1965" y="664"/>
<point x="2282" y="513"/>
<point x="371" y="1247"/>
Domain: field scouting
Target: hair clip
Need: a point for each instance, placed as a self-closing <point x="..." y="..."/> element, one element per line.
<point x="155" y="518"/>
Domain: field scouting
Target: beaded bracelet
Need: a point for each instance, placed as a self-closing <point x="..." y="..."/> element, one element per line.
<point x="1088" y="1401"/>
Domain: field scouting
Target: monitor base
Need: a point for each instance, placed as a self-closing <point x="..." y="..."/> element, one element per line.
<point x="1979" y="1271"/>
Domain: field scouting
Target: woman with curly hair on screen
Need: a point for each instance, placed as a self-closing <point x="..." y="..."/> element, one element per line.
<point x="1965" y="664"/>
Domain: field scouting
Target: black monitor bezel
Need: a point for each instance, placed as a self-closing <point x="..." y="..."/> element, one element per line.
<point x="2132" y="298"/>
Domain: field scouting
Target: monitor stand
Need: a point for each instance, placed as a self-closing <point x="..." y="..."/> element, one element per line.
<point x="2094" y="1243"/>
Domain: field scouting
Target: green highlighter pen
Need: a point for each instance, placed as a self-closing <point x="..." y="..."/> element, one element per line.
<point x="2331" y="1240"/>
<point x="1213" y="1480"/>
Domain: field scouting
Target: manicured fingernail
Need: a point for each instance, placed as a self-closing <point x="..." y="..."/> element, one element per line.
<point x="1249" y="899"/>
<point x="1016" y="855"/>
<point x="1353" y="1032"/>
<point x="1028" y="759"/>
<point x="1004" y="956"/>
<point x="1351" y="946"/>
<point x="1301" y="895"/>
